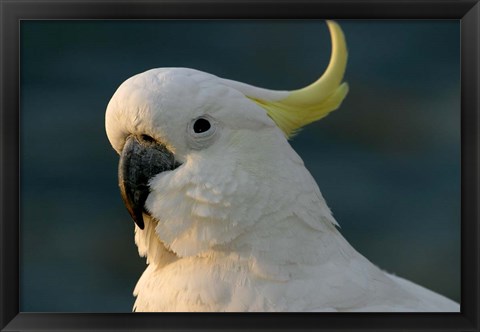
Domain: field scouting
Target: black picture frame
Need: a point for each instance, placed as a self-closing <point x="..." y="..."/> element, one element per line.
<point x="13" y="11"/>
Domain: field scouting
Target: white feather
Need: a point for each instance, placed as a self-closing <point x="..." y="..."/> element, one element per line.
<point x="241" y="225"/>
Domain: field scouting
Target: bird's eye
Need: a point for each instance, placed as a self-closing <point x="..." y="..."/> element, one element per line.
<point x="201" y="125"/>
<point x="202" y="131"/>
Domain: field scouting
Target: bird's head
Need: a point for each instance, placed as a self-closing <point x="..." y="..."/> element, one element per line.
<point x="194" y="148"/>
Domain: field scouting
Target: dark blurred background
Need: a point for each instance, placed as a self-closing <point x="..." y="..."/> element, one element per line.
<point x="387" y="162"/>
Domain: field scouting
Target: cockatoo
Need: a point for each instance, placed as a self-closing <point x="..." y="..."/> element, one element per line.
<point x="226" y="214"/>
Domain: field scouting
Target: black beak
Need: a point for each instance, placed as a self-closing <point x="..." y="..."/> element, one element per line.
<point x="141" y="159"/>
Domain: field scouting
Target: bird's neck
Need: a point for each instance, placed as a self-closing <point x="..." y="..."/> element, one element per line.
<point x="268" y="249"/>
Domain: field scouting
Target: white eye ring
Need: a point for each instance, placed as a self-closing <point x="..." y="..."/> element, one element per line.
<point x="202" y="131"/>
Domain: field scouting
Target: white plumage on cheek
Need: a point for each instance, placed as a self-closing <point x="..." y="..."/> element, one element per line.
<point x="202" y="204"/>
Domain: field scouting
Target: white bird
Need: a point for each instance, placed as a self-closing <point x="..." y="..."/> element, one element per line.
<point x="226" y="214"/>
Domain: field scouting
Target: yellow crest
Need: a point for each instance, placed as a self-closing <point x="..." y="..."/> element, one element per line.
<point x="313" y="102"/>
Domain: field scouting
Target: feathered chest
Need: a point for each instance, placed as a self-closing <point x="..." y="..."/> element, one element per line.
<point x="207" y="284"/>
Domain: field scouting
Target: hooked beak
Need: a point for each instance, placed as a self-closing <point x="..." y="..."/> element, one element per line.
<point x="141" y="159"/>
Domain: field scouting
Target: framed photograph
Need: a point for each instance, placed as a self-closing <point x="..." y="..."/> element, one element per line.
<point x="316" y="165"/>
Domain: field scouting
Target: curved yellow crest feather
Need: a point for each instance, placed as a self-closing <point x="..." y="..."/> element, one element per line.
<point x="315" y="101"/>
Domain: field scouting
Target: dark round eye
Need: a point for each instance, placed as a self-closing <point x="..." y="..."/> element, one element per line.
<point x="201" y="125"/>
